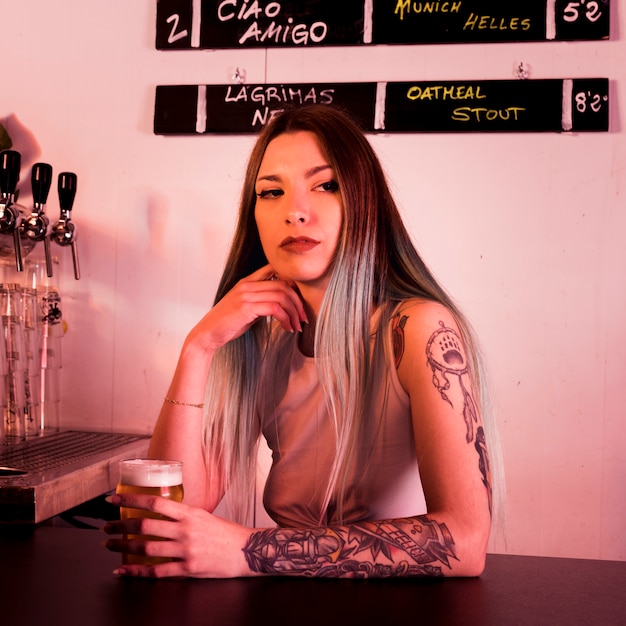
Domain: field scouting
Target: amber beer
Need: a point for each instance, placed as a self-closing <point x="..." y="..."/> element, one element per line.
<point x="153" y="477"/>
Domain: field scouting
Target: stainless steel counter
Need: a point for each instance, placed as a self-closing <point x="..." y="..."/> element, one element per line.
<point x="45" y="476"/>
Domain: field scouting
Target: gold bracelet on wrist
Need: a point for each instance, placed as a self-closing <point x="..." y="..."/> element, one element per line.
<point x="197" y="406"/>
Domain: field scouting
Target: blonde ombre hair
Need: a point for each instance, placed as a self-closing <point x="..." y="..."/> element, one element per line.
<point x="376" y="268"/>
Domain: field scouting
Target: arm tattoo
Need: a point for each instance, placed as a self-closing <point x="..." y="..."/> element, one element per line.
<point x="416" y="546"/>
<point x="446" y="356"/>
<point x="397" y="333"/>
<point x="483" y="463"/>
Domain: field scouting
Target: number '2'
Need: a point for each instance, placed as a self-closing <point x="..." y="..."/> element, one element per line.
<point x="174" y="36"/>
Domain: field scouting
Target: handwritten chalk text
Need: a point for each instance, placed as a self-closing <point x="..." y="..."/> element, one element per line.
<point x="440" y="92"/>
<point x="268" y="94"/>
<point x="486" y="22"/>
<point x="406" y="6"/>
<point x="286" y="33"/>
<point x="482" y="114"/>
<point x="431" y="93"/>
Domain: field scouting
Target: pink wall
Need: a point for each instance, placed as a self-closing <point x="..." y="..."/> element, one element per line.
<point x="526" y="230"/>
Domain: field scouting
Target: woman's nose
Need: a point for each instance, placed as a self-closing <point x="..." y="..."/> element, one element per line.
<point x="298" y="212"/>
<point x="296" y="217"/>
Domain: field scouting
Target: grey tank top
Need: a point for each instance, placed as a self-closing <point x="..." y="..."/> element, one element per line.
<point x="294" y="419"/>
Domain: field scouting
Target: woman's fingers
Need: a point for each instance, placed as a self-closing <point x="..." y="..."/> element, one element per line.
<point x="147" y="536"/>
<point x="172" y="569"/>
<point x="273" y="298"/>
<point x="200" y="544"/>
<point x="261" y="294"/>
<point x="155" y="504"/>
<point x="267" y="275"/>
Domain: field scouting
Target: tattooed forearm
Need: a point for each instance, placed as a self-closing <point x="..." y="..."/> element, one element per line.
<point x="416" y="546"/>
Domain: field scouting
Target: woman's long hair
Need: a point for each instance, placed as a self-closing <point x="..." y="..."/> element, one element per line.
<point x="376" y="267"/>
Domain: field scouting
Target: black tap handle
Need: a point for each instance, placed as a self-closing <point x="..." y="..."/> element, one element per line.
<point x="41" y="179"/>
<point x="67" y="190"/>
<point x="64" y="231"/>
<point x="10" y="162"/>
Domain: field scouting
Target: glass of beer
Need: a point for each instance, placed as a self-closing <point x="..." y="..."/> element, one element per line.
<point x="153" y="477"/>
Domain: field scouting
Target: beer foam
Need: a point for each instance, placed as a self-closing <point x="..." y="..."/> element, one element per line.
<point x="151" y="473"/>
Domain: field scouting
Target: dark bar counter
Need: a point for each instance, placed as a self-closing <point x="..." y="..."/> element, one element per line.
<point x="55" y="576"/>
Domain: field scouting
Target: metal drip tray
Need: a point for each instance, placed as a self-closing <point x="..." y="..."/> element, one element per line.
<point x="42" y="477"/>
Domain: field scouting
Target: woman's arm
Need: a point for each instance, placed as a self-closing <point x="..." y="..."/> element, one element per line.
<point x="178" y="431"/>
<point x="451" y="539"/>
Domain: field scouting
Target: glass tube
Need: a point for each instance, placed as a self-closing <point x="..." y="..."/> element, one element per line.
<point x="14" y="409"/>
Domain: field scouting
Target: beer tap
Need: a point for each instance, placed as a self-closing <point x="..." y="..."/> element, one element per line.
<point x="64" y="232"/>
<point x="10" y="213"/>
<point x="37" y="226"/>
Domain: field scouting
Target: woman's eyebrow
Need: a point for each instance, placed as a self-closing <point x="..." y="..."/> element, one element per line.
<point x="317" y="169"/>
<point x="275" y="178"/>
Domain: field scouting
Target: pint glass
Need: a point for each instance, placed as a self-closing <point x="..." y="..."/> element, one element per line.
<point x="153" y="477"/>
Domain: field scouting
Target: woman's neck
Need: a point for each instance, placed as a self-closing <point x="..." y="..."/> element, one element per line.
<point x="306" y="340"/>
<point x="312" y="297"/>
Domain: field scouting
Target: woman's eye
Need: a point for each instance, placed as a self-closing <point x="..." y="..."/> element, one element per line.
<point x="330" y="185"/>
<point x="270" y="193"/>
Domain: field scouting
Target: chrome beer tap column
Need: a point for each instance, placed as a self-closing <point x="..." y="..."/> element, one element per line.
<point x="64" y="232"/>
<point x="36" y="227"/>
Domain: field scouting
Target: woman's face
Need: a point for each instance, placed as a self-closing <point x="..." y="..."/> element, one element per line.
<point x="298" y="209"/>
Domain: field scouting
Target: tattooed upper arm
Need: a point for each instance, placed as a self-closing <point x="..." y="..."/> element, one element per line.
<point x="434" y="367"/>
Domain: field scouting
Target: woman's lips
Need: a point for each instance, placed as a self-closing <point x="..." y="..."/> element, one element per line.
<point x="298" y="244"/>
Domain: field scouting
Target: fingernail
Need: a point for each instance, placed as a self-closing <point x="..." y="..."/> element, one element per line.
<point x="113" y="499"/>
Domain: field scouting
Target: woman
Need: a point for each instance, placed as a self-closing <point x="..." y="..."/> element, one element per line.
<point x="330" y="337"/>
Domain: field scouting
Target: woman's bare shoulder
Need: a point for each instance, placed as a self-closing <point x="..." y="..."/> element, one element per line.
<point x="424" y="315"/>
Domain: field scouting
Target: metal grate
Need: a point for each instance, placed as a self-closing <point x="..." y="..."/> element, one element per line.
<point x="53" y="451"/>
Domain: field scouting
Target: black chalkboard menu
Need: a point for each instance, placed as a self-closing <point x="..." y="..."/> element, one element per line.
<point x="214" y="24"/>
<point x="546" y="105"/>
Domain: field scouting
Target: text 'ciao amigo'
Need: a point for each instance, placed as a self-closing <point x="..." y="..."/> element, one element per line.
<point x="266" y="23"/>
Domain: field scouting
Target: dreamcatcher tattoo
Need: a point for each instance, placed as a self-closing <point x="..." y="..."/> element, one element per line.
<point x="446" y="358"/>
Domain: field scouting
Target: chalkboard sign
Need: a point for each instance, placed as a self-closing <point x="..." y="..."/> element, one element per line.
<point x="487" y="21"/>
<point x="497" y="106"/>
<point x="548" y="105"/>
<point x="241" y="109"/>
<point x="214" y="24"/>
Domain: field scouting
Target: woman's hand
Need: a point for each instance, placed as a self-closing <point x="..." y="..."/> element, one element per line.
<point x="262" y="294"/>
<point x="201" y="544"/>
